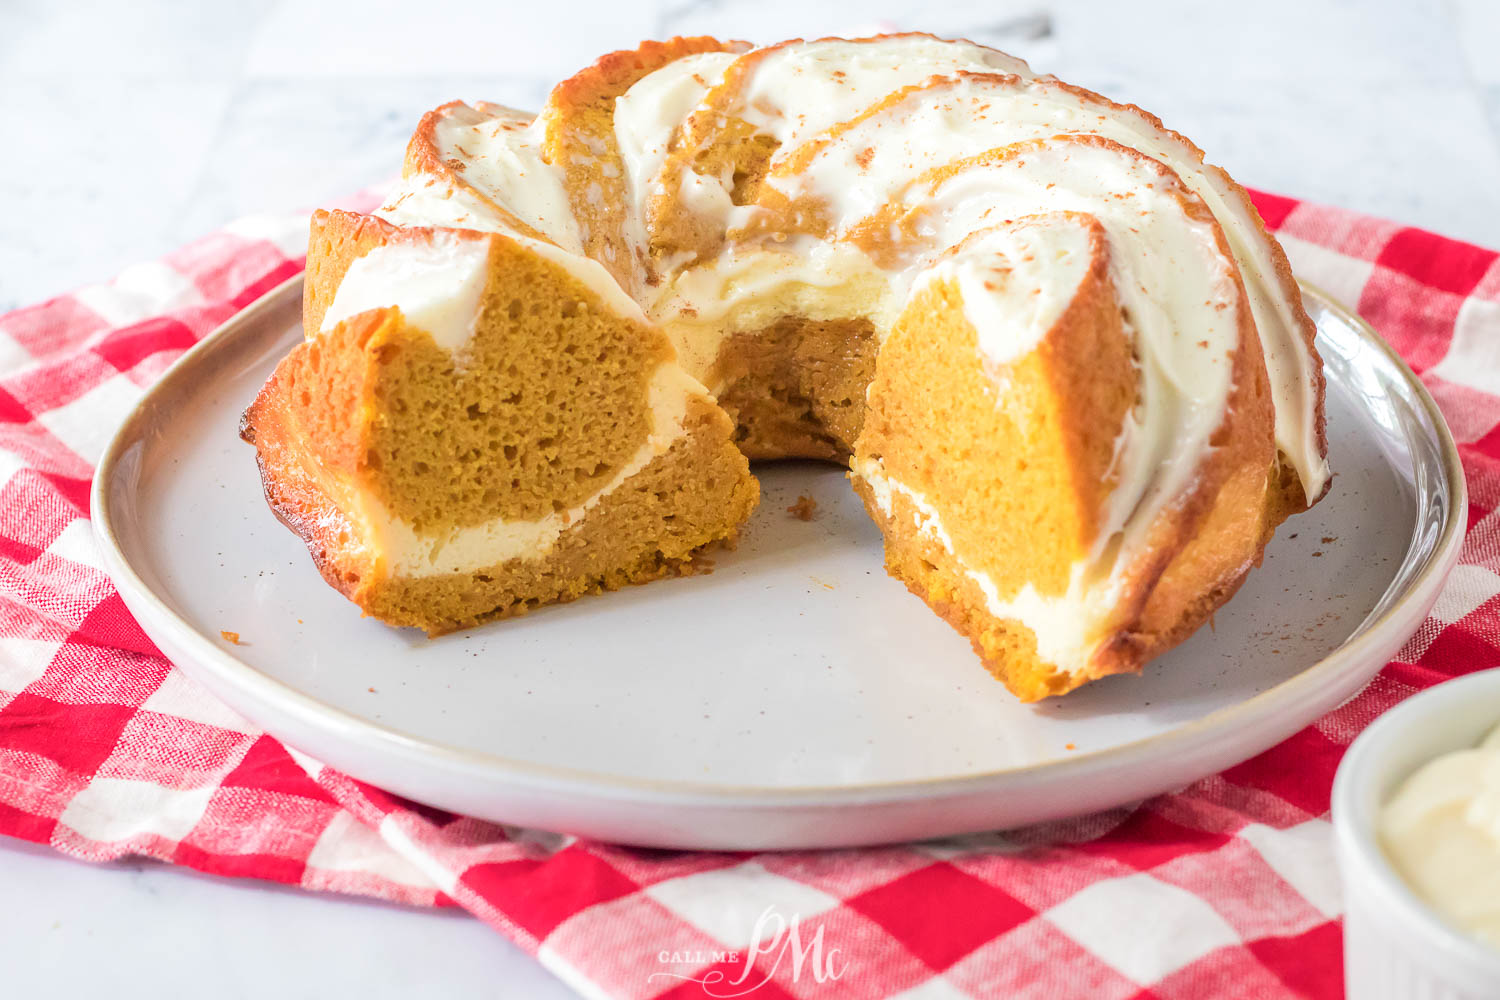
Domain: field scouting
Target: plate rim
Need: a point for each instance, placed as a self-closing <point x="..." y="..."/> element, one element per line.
<point x="342" y="725"/>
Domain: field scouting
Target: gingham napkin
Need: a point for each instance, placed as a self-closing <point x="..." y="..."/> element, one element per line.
<point x="1226" y="889"/>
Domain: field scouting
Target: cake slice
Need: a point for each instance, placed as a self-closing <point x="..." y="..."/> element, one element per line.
<point x="479" y="423"/>
<point x="1002" y="505"/>
<point x="582" y="144"/>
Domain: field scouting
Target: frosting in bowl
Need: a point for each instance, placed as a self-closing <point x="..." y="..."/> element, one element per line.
<point x="1441" y="831"/>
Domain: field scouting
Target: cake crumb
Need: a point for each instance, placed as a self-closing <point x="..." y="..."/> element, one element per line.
<point x="1329" y="539"/>
<point x="230" y="637"/>
<point x="804" y="509"/>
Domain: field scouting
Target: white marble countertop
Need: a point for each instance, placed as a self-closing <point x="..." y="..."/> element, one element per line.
<point x="132" y="128"/>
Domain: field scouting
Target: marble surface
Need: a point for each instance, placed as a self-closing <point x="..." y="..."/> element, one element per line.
<point x="132" y="128"/>
<point x="139" y="126"/>
<point x="150" y="931"/>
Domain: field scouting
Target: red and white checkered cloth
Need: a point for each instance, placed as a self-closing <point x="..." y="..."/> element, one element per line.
<point x="1226" y="889"/>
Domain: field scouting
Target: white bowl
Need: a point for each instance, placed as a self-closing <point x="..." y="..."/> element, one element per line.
<point x="1396" y="947"/>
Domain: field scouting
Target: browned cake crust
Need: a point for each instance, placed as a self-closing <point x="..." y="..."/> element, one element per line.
<point x="306" y="447"/>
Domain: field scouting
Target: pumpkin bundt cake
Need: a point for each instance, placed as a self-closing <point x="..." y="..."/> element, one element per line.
<point x="1066" y="365"/>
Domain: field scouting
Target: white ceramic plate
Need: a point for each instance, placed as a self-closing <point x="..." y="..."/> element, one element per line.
<point x="796" y="696"/>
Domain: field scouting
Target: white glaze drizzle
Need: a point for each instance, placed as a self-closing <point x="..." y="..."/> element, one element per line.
<point x="435" y="278"/>
<point x="498" y="152"/>
<point x="669" y="94"/>
<point x="422" y="201"/>
<point x="1015" y="282"/>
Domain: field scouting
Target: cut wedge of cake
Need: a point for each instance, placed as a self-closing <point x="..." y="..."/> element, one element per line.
<point x="473" y="429"/>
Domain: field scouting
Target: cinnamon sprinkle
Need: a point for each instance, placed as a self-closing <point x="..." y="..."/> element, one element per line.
<point x="804" y="509"/>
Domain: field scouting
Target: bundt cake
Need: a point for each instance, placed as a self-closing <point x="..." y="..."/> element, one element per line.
<point x="1065" y="363"/>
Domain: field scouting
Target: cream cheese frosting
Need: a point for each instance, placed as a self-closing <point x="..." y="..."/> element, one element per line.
<point x="422" y="202"/>
<point x="426" y="200"/>
<point x="1441" y="830"/>
<point x="1016" y="283"/>
<point x="668" y="95"/>
<point x="499" y="154"/>
<point x="435" y="279"/>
